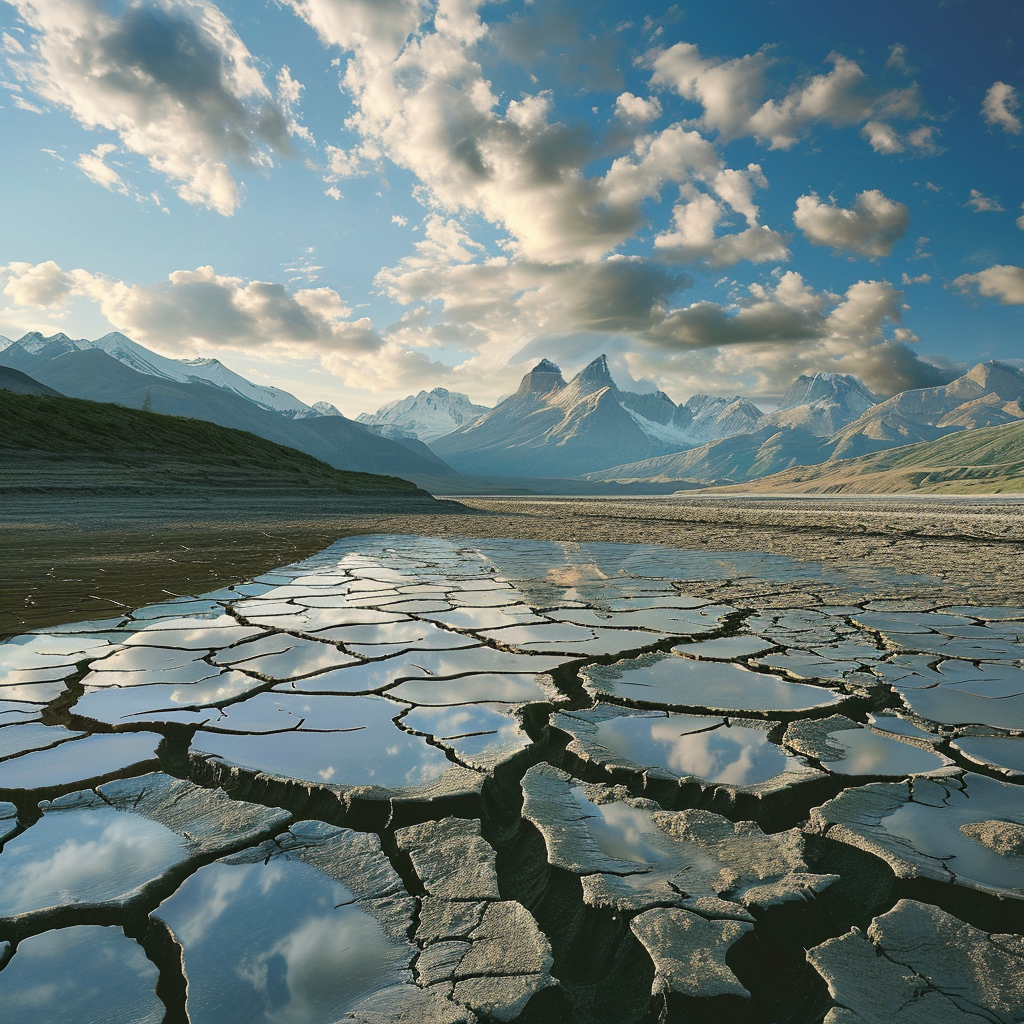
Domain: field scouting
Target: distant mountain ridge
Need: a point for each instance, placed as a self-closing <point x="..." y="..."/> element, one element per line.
<point x="427" y="415"/>
<point x="986" y="460"/>
<point x="90" y="372"/>
<point x="185" y="371"/>
<point x="989" y="394"/>
<point x="553" y="428"/>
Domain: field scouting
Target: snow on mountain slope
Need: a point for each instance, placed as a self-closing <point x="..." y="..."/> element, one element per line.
<point x="428" y="415"/>
<point x="822" y="404"/>
<point x="142" y="360"/>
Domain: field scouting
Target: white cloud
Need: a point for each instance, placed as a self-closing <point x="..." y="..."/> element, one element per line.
<point x="171" y="78"/>
<point x="980" y="203"/>
<point x="774" y="334"/>
<point x="1020" y="220"/>
<point x="637" y="108"/>
<point x="732" y="95"/>
<point x="885" y="139"/>
<point x="333" y="193"/>
<point x="43" y="285"/>
<point x="920" y="279"/>
<point x="693" y="235"/>
<point x="95" y="167"/>
<point x="871" y="227"/>
<point x="999" y="108"/>
<point x="423" y="102"/>
<point x="197" y="309"/>
<point x="1002" y="282"/>
<point x="397" y="218"/>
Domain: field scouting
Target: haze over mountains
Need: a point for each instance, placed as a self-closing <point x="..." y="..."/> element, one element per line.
<point x="586" y="430"/>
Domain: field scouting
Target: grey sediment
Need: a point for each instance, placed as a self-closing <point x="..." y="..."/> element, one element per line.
<point x="72" y="556"/>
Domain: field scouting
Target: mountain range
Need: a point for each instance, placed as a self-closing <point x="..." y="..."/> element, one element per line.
<point x="575" y="436"/>
<point x="427" y="415"/>
<point x="550" y="428"/>
<point x="989" y="393"/>
<point x="117" y="370"/>
<point x="984" y="460"/>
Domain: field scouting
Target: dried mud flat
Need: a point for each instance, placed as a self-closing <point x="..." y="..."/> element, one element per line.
<point x="470" y="778"/>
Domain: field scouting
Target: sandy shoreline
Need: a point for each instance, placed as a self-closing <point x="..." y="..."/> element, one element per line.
<point x="89" y="556"/>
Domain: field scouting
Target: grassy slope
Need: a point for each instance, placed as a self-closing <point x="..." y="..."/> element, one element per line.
<point x="989" y="460"/>
<point x="102" y="445"/>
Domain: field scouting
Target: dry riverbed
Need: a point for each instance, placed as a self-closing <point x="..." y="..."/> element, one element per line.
<point x="85" y="557"/>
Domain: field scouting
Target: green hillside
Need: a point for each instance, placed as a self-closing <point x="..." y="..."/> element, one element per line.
<point x="988" y="460"/>
<point x="48" y="442"/>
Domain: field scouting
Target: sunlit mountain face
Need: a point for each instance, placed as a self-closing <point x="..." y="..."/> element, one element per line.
<point x="354" y="201"/>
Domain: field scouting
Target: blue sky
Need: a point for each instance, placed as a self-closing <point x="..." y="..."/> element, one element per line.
<point x="356" y="199"/>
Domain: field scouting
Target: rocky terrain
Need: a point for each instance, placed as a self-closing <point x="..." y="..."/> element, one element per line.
<point x="460" y="780"/>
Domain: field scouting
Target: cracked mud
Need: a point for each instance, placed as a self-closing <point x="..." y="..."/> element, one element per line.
<point x="416" y="779"/>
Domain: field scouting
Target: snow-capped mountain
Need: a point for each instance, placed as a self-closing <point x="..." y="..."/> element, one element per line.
<point x="142" y="360"/>
<point x="427" y="415"/>
<point x="822" y="403"/>
<point x="553" y="428"/>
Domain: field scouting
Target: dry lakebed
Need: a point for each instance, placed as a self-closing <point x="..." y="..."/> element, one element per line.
<point x="515" y="759"/>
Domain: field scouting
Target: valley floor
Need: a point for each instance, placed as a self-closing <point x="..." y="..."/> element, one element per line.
<point x="85" y="558"/>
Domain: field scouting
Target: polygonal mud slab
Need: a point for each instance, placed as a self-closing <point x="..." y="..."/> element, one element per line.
<point x="103" y="846"/>
<point x="689" y="952"/>
<point x="341" y="742"/>
<point x="316" y="920"/>
<point x="669" y="680"/>
<point x="631" y="855"/>
<point x="968" y="831"/>
<point x="920" y="965"/>
<point x="471" y="689"/>
<point x="77" y="760"/>
<point x="680" y="622"/>
<point x="844" y="747"/>
<point x="725" y="648"/>
<point x="80" y="974"/>
<point x="569" y="639"/>
<point x="117" y="705"/>
<point x="487" y="952"/>
<point x="668" y="745"/>
<point x="1005" y="753"/>
<point x="18" y="738"/>
<point x="479" y="735"/>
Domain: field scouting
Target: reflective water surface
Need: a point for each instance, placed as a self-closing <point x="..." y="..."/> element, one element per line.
<point x="257" y="782"/>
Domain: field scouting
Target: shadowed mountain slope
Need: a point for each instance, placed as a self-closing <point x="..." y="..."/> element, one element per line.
<point x="986" y="460"/>
<point x="92" y="374"/>
<point x="51" y="442"/>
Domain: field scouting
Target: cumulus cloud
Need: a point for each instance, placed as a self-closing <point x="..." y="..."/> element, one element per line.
<point x="637" y="108"/>
<point x="171" y="78"/>
<point x="43" y="285"/>
<point x="920" y="279"/>
<point x="196" y="309"/>
<point x="884" y="138"/>
<point x="1000" y="107"/>
<point x="774" y="334"/>
<point x="695" y="219"/>
<point x="1002" y="282"/>
<point x="95" y="167"/>
<point x="980" y="203"/>
<point x="732" y="93"/>
<point x="870" y="227"/>
<point x="1020" y="220"/>
<point x="422" y="101"/>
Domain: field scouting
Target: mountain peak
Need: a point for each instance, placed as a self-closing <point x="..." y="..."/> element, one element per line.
<point x="543" y="378"/>
<point x="546" y="366"/>
<point x="596" y="374"/>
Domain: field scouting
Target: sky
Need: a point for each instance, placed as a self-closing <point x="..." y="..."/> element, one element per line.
<point x="359" y="199"/>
